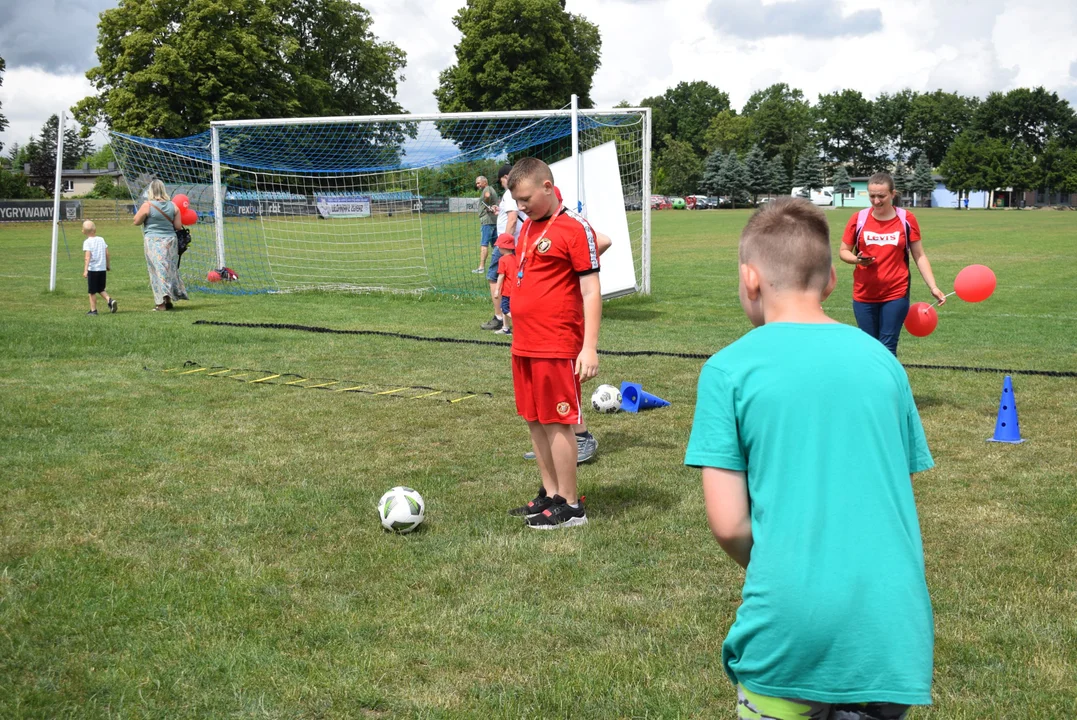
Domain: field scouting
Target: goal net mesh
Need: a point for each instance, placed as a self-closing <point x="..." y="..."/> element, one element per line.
<point x="355" y="204"/>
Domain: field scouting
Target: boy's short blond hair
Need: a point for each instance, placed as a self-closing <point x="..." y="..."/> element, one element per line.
<point x="88" y="226"/>
<point x="530" y="168"/>
<point x="789" y="241"/>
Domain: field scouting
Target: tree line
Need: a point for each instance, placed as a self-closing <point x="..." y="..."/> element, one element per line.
<point x="167" y="69"/>
<point x="1024" y="138"/>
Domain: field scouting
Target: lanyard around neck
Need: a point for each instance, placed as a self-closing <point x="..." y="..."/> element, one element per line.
<point x="529" y="247"/>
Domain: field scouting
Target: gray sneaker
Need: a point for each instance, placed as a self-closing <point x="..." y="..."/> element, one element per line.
<point x="492" y="324"/>
<point x="586" y="448"/>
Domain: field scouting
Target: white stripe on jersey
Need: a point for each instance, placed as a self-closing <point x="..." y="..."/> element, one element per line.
<point x="592" y="247"/>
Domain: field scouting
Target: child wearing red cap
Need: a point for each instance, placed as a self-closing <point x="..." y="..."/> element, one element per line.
<point x="506" y="276"/>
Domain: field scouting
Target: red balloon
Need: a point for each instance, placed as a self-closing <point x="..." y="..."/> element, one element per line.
<point x="975" y="283"/>
<point x="213" y="276"/>
<point x="181" y="201"/>
<point x="188" y="216"/>
<point x="921" y="320"/>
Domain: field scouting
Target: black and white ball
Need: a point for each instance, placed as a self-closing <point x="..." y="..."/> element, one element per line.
<point x="606" y="399"/>
<point x="401" y="509"/>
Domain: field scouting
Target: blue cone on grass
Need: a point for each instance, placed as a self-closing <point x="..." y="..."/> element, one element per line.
<point x="1007" y="429"/>
<point x="634" y="398"/>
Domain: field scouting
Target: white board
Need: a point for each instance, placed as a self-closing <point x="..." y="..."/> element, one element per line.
<point x="604" y="207"/>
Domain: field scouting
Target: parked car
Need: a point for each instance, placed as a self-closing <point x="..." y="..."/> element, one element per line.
<point x="697" y="202"/>
<point x="678" y="203"/>
<point x="822" y="197"/>
<point x="660" y="202"/>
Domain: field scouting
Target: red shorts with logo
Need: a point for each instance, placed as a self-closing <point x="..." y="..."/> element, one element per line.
<point x="547" y="390"/>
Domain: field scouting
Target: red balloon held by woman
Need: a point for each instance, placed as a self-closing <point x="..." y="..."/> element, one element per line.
<point x="181" y="201"/>
<point x="921" y="320"/>
<point x="975" y="283"/>
<point x="188" y="216"/>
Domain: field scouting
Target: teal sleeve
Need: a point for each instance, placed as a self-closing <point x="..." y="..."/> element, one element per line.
<point x="714" y="441"/>
<point x="919" y="455"/>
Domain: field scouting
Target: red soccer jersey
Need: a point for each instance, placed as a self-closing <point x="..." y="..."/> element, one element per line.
<point x="547" y="305"/>
<point x="507" y="265"/>
<point x="888" y="277"/>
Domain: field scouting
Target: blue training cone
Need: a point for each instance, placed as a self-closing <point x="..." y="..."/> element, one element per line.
<point x="1006" y="428"/>
<point x="634" y="398"/>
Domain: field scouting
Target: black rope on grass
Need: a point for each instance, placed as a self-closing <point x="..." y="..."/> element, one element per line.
<point x="613" y="353"/>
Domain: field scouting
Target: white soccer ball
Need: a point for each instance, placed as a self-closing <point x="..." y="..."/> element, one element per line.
<point x="401" y="509"/>
<point x="606" y="399"/>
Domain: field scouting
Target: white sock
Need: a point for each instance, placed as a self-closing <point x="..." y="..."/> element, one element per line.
<point x="500" y="317"/>
<point x="575" y="505"/>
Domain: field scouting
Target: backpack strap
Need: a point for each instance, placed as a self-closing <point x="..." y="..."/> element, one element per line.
<point x="861" y="218"/>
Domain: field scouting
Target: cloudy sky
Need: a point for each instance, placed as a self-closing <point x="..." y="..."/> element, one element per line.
<point x="968" y="46"/>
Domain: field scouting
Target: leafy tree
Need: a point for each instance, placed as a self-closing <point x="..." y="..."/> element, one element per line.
<point x="519" y="55"/>
<point x="759" y="181"/>
<point x="169" y="67"/>
<point x="932" y="123"/>
<point x="777" y="176"/>
<point x="100" y="158"/>
<point x="711" y="183"/>
<point x="888" y="122"/>
<point x="842" y="185"/>
<point x="1056" y="168"/>
<point x="781" y="122"/>
<point x="3" y="120"/>
<point x="809" y="174"/>
<point x="845" y="128"/>
<point x="106" y="188"/>
<point x="728" y="132"/>
<point x="1034" y="117"/>
<point x="685" y="112"/>
<point x="41" y="154"/>
<point x="680" y="166"/>
<point x="15" y="186"/>
<point x="923" y="183"/>
<point x="734" y="178"/>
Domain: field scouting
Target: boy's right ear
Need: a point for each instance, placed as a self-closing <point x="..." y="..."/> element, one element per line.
<point x="750" y="281"/>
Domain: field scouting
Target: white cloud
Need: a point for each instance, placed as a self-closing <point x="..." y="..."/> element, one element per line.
<point x="30" y="95"/>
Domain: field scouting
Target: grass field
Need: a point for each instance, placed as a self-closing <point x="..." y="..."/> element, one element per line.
<point x="177" y="546"/>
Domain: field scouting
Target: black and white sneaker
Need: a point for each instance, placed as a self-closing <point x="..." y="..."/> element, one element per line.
<point x="112" y="306"/>
<point x="541" y="502"/>
<point x="559" y="515"/>
<point x="492" y="324"/>
<point x="92" y="312"/>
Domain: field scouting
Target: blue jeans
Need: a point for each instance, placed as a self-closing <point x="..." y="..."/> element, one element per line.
<point x="489" y="235"/>
<point x="491" y="272"/>
<point x="883" y="320"/>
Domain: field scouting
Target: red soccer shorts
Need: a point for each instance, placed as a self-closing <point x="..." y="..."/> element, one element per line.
<point x="547" y="390"/>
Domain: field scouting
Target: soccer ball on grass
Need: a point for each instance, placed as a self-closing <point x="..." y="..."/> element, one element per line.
<point x="401" y="509"/>
<point x="606" y="399"/>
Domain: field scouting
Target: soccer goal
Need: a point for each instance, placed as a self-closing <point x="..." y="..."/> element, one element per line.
<point x="389" y="203"/>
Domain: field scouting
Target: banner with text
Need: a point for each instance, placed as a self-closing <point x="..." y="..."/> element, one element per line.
<point x="38" y="210"/>
<point x="343" y="206"/>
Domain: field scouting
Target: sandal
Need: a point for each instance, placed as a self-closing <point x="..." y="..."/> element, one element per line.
<point x="162" y="307"/>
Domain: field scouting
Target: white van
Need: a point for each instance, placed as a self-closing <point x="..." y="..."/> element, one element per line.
<point x="822" y="197"/>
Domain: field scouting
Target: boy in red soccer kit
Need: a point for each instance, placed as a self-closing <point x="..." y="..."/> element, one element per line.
<point x="506" y="278"/>
<point x="556" y="308"/>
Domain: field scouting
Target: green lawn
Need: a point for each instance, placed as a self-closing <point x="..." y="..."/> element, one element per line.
<point x="178" y="546"/>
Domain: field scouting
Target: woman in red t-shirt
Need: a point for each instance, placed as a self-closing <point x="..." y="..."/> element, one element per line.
<point x="879" y="242"/>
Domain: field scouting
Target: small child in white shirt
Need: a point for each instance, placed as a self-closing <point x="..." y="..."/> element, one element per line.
<point x="98" y="263"/>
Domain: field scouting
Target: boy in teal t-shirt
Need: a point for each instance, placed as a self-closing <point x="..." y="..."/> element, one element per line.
<point x="807" y="435"/>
